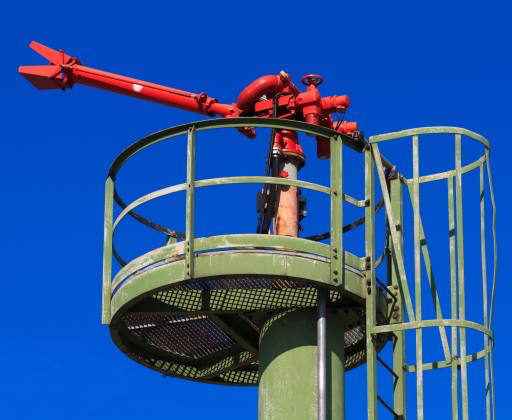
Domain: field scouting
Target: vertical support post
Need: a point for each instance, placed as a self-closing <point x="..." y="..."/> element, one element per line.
<point x="417" y="277"/>
<point x="321" y="354"/>
<point x="336" y="209"/>
<point x="107" y="250"/>
<point x="495" y="267"/>
<point x="460" y="259"/>
<point x="371" y="353"/>
<point x="189" y="226"/>
<point x="484" y="293"/>
<point x="453" y="291"/>
<point x="491" y="363"/>
<point x="495" y="245"/>
<point x="399" y="391"/>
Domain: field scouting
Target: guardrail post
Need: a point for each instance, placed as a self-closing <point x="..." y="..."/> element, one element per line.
<point x="484" y="293"/>
<point x="336" y="210"/>
<point x="460" y="262"/>
<point x="189" y="226"/>
<point x="370" y="286"/>
<point x="495" y="266"/>
<point x="453" y="299"/>
<point x="417" y="275"/>
<point x="399" y="393"/>
<point x="107" y="250"/>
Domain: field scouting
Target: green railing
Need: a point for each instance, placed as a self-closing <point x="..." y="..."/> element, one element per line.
<point x="191" y="245"/>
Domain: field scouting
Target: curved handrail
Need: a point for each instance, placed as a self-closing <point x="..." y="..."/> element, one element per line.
<point x="429" y="130"/>
<point x="171" y="132"/>
<point x="220" y="181"/>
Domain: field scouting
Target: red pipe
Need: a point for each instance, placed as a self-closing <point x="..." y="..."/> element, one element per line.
<point x="200" y="103"/>
<point x="335" y="103"/>
<point x="265" y="85"/>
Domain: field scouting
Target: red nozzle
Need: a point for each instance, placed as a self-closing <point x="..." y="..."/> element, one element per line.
<point x="50" y="76"/>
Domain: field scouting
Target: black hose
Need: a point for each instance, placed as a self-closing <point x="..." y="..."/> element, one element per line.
<point x="272" y="169"/>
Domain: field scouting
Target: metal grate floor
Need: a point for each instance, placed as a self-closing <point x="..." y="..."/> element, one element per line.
<point x="207" y="330"/>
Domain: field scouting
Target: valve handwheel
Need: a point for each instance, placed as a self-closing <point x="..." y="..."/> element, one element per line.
<point x="312" y="79"/>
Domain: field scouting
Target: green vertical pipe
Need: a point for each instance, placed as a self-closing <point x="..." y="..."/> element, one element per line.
<point x="336" y="210"/>
<point x="460" y="260"/>
<point x="288" y="376"/>
<point x="453" y="292"/>
<point x="371" y="354"/>
<point x="107" y="250"/>
<point x="399" y="391"/>
<point x="189" y="224"/>
<point x="417" y="277"/>
<point x="484" y="293"/>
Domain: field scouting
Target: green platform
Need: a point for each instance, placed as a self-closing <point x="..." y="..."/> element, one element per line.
<point x="240" y="309"/>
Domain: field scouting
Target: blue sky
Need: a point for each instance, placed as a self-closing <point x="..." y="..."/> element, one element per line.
<point x="404" y="65"/>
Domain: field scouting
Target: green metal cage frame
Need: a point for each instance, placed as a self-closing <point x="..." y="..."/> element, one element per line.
<point x="338" y="258"/>
<point x="392" y="191"/>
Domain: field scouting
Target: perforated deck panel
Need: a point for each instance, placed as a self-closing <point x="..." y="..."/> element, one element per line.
<point x="207" y="330"/>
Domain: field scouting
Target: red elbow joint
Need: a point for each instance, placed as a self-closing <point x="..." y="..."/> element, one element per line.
<point x="265" y="85"/>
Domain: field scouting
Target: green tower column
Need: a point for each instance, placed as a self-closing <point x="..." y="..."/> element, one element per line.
<point x="288" y="367"/>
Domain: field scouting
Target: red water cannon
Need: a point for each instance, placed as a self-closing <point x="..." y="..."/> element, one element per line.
<point x="271" y="96"/>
